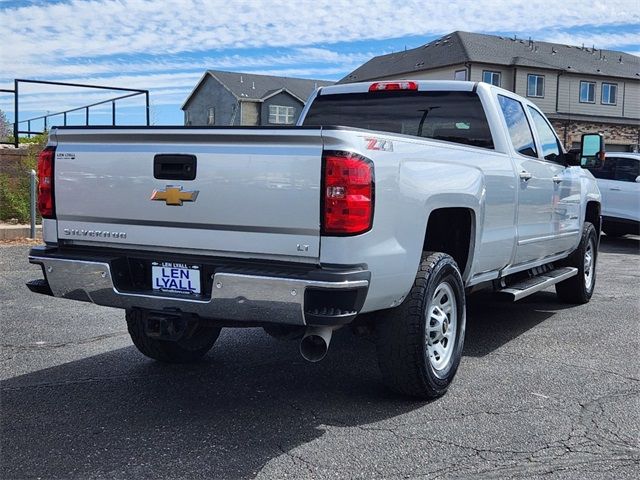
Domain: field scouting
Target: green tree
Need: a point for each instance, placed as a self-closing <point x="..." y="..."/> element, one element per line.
<point x="5" y="127"/>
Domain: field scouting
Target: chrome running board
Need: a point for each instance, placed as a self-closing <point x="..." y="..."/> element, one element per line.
<point x="532" y="285"/>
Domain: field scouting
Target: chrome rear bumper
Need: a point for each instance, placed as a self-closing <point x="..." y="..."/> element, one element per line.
<point x="233" y="296"/>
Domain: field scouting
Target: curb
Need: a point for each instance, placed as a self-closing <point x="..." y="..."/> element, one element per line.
<point x="15" y="232"/>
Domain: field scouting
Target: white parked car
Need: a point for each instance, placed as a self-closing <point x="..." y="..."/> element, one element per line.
<point x="619" y="182"/>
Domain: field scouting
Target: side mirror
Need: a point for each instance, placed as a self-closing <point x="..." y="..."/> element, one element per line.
<point x="638" y="179"/>
<point x="591" y="150"/>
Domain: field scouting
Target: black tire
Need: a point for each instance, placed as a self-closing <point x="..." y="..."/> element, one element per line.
<point x="579" y="289"/>
<point x="190" y="348"/>
<point x="403" y="354"/>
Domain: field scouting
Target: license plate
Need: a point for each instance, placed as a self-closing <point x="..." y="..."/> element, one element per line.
<point x="175" y="278"/>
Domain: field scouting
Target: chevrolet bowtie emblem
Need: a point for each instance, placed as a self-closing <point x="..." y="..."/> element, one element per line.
<point x="173" y="195"/>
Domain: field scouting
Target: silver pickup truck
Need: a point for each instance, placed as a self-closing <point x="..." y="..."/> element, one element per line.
<point x="383" y="208"/>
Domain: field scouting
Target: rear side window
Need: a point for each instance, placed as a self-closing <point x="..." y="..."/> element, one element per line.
<point x="451" y="116"/>
<point x="548" y="141"/>
<point x="617" y="168"/>
<point x="518" y="125"/>
<point x="627" y="169"/>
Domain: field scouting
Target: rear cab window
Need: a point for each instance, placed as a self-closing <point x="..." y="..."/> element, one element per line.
<point x="451" y="116"/>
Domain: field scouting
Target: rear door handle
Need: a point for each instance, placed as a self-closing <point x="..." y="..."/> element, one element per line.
<point x="557" y="179"/>
<point x="524" y="175"/>
<point x="615" y="189"/>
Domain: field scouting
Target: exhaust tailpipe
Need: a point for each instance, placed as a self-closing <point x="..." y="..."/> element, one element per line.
<point x="315" y="343"/>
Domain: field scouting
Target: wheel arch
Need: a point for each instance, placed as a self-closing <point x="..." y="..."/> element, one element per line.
<point x="452" y="230"/>
<point x="592" y="214"/>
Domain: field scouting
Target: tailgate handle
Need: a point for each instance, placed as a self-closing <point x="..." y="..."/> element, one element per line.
<point x="174" y="167"/>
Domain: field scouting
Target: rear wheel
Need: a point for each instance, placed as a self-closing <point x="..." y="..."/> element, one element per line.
<point x="579" y="289"/>
<point x="198" y="338"/>
<point x="420" y="342"/>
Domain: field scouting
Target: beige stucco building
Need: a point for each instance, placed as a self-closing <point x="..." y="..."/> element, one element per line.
<point x="581" y="89"/>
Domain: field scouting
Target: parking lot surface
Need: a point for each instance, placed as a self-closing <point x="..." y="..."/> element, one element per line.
<point x="545" y="390"/>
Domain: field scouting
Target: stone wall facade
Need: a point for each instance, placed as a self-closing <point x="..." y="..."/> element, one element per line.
<point x="12" y="161"/>
<point x="15" y="167"/>
<point x="617" y="137"/>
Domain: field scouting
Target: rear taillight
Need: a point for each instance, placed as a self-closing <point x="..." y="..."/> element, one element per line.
<point x="384" y="86"/>
<point x="45" y="183"/>
<point x="348" y="194"/>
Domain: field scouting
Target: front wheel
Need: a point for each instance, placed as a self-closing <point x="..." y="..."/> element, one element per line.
<point x="420" y="342"/>
<point x="579" y="289"/>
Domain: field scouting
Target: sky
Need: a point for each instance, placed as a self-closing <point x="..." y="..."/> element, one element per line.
<point x="165" y="46"/>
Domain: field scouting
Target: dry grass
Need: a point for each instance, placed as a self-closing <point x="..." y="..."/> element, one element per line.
<point x="20" y="241"/>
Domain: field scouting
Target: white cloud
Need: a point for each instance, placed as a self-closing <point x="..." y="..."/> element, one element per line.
<point x="169" y="80"/>
<point x="95" y="28"/>
<point x="103" y="41"/>
<point x="600" y="41"/>
<point x="81" y="69"/>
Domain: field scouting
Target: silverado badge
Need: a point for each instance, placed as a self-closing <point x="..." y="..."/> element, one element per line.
<point x="173" y="195"/>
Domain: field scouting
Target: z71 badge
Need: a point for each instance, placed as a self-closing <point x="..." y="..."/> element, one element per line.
<point x="379" y="144"/>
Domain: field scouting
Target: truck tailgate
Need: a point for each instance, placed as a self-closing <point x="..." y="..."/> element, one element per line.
<point x="256" y="192"/>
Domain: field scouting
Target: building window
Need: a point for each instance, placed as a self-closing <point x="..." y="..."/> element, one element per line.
<point x="279" y="114"/>
<point x="187" y="118"/>
<point x="535" y="86"/>
<point x="587" y="92"/>
<point x="609" y="93"/>
<point x="211" y="117"/>
<point x="491" y="77"/>
<point x="460" y="75"/>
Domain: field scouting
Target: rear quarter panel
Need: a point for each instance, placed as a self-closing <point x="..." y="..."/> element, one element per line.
<point x="416" y="178"/>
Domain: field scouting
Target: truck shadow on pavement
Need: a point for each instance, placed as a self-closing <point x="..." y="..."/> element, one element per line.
<point x="253" y="399"/>
<point x="493" y="322"/>
<point x="627" y="245"/>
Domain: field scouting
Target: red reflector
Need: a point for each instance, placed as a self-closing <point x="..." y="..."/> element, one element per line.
<point x="348" y="194"/>
<point x="45" y="182"/>
<point x="382" y="86"/>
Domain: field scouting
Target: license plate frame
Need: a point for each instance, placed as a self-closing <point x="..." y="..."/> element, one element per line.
<point x="176" y="278"/>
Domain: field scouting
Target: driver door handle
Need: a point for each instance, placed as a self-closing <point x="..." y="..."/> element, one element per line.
<point x="524" y="175"/>
<point x="615" y="189"/>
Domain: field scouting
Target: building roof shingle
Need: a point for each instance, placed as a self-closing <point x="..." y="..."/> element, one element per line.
<point x="251" y="86"/>
<point x="460" y="47"/>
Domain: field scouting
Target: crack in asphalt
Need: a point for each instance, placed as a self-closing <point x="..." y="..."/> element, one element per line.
<point x="297" y="459"/>
<point x="51" y="345"/>
<point x="591" y="369"/>
<point x="587" y="438"/>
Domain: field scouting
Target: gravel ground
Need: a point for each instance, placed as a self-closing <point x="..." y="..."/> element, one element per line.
<point x="544" y="390"/>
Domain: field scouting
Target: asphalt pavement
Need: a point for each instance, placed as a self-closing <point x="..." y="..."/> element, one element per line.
<point x="545" y="390"/>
